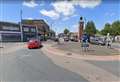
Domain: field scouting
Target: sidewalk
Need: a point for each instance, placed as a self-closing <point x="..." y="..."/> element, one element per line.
<point x="11" y="47"/>
<point x="74" y="50"/>
<point x="96" y="50"/>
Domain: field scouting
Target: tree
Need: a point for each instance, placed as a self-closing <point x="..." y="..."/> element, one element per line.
<point x="97" y="31"/>
<point x="90" y="28"/>
<point x="116" y="28"/>
<point x="107" y="29"/>
<point x="66" y="31"/>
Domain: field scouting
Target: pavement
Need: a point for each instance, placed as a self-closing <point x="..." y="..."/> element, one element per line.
<point x="97" y="50"/>
<point x="19" y="64"/>
<point x="74" y="50"/>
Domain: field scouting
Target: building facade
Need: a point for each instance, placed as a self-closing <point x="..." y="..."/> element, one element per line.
<point x="10" y="32"/>
<point x="27" y="29"/>
<point x="28" y="32"/>
<point x="42" y="27"/>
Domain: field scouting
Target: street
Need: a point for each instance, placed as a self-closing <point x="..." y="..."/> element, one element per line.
<point x="59" y="41"/>
<point x="24" y="65"/>
<point x="19" y="64"/>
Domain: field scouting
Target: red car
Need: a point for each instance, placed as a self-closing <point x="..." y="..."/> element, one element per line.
<point x="34" y="43"/>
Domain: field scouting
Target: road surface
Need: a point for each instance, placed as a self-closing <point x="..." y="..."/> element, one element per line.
<point x="19" y="64"/>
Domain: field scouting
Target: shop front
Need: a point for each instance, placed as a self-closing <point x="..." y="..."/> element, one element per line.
<point x="29" y="32"/>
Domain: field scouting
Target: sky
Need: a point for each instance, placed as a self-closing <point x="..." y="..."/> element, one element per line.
<point x="61" y="14"/>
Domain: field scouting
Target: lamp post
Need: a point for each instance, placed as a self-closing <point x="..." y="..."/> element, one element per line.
<point x="21" y="25"/>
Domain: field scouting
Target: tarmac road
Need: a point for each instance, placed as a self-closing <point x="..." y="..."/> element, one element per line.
<point x="24" y="65"/>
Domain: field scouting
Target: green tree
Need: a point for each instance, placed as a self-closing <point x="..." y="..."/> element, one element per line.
<point x="66" y="31"/>
<point x="97" y="31"/>
<point x="107" y="29"/>
<point x="90" y="28"/>
<point x="116" y="28"/>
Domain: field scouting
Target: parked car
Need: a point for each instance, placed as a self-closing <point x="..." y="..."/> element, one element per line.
<point x="97" y="41"/>
<point x="34" y="43"/>
<point x="74" y="39"/>
<point x="101" y="43"/>
<point x="71" y="38"/>
<point x="66" y="39"/>
<point x="56" y="39"/>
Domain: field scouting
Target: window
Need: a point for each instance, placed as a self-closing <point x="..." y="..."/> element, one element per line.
<point x="10" y="28"/>
<point x="33" y="30"/>
<point x="26" y="29"/>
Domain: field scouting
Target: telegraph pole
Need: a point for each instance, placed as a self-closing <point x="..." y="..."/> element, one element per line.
<point x="21" y="25"/>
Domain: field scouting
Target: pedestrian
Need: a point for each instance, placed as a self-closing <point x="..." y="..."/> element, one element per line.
<point x="85" y="43"/>
<point x="108" y="41"/>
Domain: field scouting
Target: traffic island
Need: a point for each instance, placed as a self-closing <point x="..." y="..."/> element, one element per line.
<point x="74" y="50"/>
<point x="96" y="50"/>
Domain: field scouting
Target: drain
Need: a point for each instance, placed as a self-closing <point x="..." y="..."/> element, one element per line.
<point x="1" y="47"/>
<point x="69" y="53"/>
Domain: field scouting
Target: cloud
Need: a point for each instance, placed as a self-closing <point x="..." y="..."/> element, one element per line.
<point x="68" y="17"/>
<point x="52" y="14"/>
<point x="29" y="18"/>
<point x="64" y="7"/>
<point x="30" y="3"/>
<point x="86" y="3"/>
<point x="67" y="8"/>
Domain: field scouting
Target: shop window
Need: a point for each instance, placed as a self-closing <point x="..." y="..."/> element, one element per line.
<point x="26" y="29"/>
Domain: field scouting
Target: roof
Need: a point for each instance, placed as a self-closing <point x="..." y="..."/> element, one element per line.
<point x="8" y="23"/>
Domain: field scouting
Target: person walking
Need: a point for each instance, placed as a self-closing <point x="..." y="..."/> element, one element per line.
<point x="85" y="43"/>
<point x="108" y="41"/>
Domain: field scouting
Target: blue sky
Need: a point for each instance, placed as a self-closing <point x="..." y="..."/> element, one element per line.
<point x="62" y="14"/>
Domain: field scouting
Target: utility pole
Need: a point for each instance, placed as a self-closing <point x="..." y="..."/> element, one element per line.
<point x="21" y="25"/>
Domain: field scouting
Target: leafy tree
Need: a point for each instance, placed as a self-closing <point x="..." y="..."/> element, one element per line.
<point x="90" y="28"/>
<point x="66" y="31"/>
<point x="116" y="28"/>
<point x="97" y="31"/>
<point x="107" y="29"/>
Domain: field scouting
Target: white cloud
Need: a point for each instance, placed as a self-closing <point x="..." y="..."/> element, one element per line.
<point x="67" y="8"/>
<point x="68" y="17"/>
<point x="86" y="3"/>
<point x="64" y="7"/>
<point x="52" y="14"/>
<point x="29" y="18"/>
<point x="30" y="3"/>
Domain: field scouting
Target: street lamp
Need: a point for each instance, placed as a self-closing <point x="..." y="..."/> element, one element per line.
<point x="21" y="25"/>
